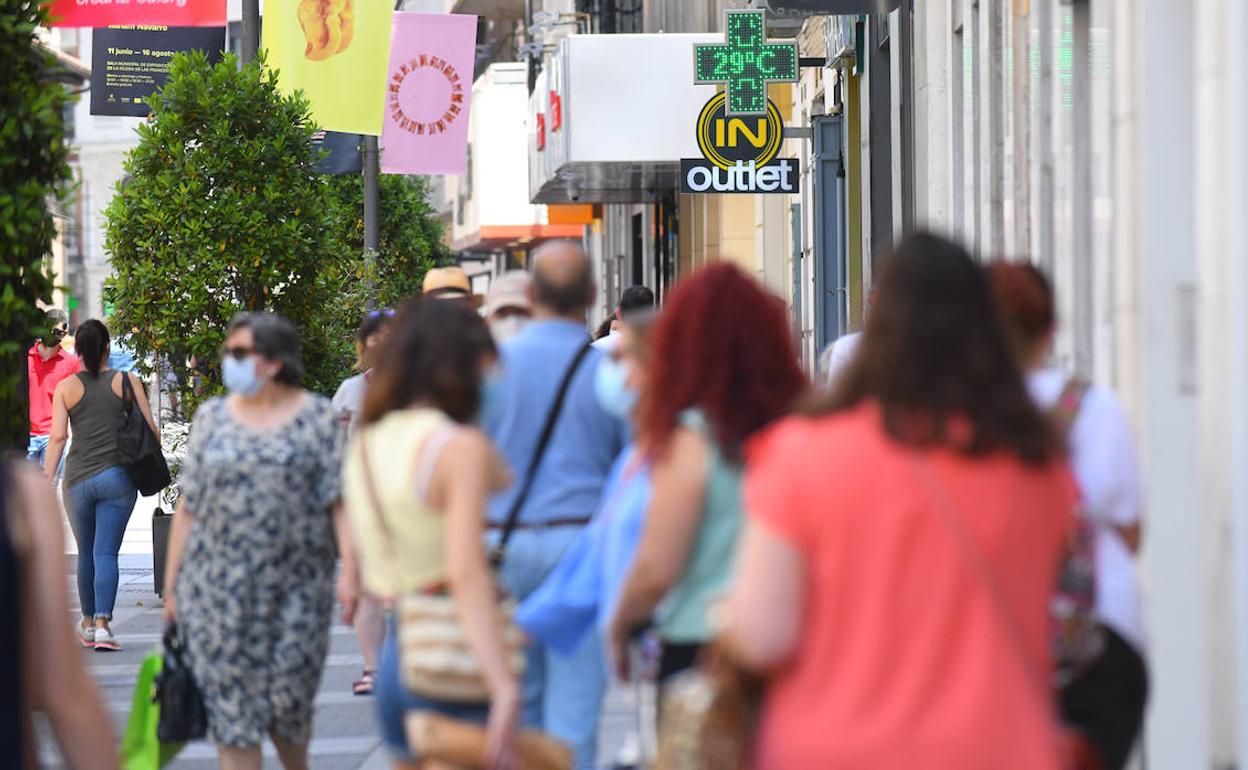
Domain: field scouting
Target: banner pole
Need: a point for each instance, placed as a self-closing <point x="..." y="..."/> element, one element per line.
<point x="372" y="204"/>
<point x="370" y="157"/>
<point x="251" y="31"/>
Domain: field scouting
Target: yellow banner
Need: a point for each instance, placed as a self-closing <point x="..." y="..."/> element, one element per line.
<point x="336" y="52"/>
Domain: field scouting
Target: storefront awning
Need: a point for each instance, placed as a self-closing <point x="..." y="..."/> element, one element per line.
<point x="503" y="237"/>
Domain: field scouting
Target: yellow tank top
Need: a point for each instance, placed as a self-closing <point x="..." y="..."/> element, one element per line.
<point x="412" y="558"/>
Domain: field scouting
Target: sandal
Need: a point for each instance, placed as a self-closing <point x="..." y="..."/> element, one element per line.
<point x="364" y="685"/>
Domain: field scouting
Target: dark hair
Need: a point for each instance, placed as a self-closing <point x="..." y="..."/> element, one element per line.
<point x="274" y="338"/>
<point x="90" y="342"/>
<point x="722" y="345"/>
<point x="934" y="352"/>
<point x="566" y="293"/>
<point x="604" y="328"/>
<point x="433" y="353"/>
<point x="636" y="297"/>
<point x="1024" y="301"/>
<point x="372" y="322"/>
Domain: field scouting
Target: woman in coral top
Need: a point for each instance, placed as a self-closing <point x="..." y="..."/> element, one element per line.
<point x="903" y="544"/>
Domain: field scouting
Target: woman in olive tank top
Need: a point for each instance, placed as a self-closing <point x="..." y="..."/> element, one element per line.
<point x="100" y="493"/>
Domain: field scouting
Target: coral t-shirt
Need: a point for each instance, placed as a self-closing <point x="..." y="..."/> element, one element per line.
<point x="905" y="660"/>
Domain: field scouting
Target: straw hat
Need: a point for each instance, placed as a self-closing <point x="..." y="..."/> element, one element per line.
<point x="450" y="283"/>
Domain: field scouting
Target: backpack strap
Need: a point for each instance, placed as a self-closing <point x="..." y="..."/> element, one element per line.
<point x="526" y="484"/>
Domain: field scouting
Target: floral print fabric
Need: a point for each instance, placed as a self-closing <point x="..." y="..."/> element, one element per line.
<point x="255" y="591"/>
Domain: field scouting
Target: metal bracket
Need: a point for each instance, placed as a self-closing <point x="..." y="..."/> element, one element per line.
<point x="812" y="61"/>
<point x="804" y="133"/>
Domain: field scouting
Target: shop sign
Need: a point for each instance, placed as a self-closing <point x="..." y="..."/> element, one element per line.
<point x="130" y="63"/>
<point x="804" y="8"/>
<point x="739" y="130"/>
<point x="556" y="111"/>
<point x="778" y="176"/>
<point x="106" y="13"/>
<point x="745" y="63"/>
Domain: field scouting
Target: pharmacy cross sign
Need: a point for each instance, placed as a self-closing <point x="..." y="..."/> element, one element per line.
<point x="747" y="63"/>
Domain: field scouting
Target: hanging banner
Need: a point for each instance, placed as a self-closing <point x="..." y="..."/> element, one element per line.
<point x="107" y="13"/>
<point x="129" y="64"/>
<point x="428" y="94"/>
<point x="342" y="153"/>
<point x="336" y="52"/>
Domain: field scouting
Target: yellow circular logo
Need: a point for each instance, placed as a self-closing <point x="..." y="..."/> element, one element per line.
<point x="725" y="140"/>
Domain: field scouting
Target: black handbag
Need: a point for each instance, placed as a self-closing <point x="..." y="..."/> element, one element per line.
<point x="182" y="714"/>
<point x="138" y="446"/>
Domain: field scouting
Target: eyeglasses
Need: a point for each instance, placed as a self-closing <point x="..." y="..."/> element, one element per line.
<point x="238" y="353"/>
<point x="387" y="312"/>
<point x="59" y="332"/>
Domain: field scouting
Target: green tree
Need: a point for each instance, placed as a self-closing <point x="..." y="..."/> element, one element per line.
<point x="220" y="211"/>
<point x="33" y="174"/>
<point x="410" y="240"/>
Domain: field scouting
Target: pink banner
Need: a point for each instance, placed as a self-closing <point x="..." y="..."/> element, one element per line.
<point x="427" y="93"/>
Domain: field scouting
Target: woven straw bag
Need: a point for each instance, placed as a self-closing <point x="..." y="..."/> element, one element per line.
<point x="435" y="660"/>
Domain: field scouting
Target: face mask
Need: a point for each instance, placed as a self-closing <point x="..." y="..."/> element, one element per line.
<point x="240" y="376"/>
<point x="491" y="398"/>
<point x="611" y="387"/>
<point x="505" y="328"/>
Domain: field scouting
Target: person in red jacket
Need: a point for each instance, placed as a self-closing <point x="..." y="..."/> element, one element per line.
<point x="47" y="363"/>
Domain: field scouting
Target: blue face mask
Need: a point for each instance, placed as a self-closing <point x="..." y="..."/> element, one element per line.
<point x="491" y="398"/>
<point x="240" y="376"/>
<point x="611" y="387"/>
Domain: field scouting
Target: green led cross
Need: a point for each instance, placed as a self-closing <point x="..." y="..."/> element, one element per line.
<point x="746" y="63"/>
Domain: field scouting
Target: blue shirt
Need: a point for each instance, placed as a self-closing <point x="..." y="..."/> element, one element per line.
<point x="586" y="439"/>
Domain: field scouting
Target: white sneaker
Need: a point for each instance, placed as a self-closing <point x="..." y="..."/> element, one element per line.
<point x="86" y="636"/>
<point x="105" y="641"/>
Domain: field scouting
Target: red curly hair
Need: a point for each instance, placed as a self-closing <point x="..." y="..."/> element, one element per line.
<point x="722" y="345"/>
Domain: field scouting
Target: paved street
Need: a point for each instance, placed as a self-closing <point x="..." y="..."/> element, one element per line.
<point x="344" y="736"/>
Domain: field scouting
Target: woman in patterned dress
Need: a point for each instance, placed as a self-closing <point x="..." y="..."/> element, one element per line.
<point x="250" y="576"/>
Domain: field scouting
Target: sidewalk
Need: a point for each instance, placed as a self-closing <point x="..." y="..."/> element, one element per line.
<point x="345" y="736"/>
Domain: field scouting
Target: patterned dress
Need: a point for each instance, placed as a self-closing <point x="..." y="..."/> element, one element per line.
<point x="256" y="588"/>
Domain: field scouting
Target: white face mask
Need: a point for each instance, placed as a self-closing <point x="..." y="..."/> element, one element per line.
<point x="505" y="328"/>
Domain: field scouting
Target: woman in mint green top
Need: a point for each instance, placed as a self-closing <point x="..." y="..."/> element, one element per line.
<point x="723" y="368"/>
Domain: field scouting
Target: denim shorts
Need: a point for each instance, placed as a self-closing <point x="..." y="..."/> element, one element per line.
<point x="394" y="701"/>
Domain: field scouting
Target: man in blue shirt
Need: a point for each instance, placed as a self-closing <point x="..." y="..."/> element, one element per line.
<point x="562" y="692"/>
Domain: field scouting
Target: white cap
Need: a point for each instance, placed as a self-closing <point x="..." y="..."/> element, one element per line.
<point x="511" y="289"/>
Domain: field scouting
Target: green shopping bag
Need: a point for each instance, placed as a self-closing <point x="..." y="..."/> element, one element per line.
<point x="140" y="750"/>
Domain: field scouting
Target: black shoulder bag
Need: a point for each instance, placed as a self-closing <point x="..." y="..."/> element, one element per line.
<point x="138" y="446"/>
<point x="526" y="484"/>
<point x="182" y="714"/>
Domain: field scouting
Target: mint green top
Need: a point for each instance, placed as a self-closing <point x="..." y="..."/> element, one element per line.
<point x="681" y="616"/>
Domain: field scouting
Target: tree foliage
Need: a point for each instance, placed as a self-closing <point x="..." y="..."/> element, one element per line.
<point x="222" y="211"/>
<point x="33" y="175"/>
<point x="410" y="242"/>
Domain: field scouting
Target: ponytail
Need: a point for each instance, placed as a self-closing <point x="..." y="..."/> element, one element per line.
<point x="90" y="341"/>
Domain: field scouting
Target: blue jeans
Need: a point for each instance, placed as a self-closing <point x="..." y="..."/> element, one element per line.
<point x="37" y="450"/>
<point x="562" y="693"/>
<point x="102" y="504"/>
<point x="394" y="701"/>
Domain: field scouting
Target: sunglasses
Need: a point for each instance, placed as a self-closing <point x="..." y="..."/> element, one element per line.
<point x="59" y="332"/>
<point x="387" y="312"/>
<point x="238" y="353"/>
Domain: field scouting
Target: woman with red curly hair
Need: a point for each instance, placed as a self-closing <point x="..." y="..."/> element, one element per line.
<point x="722" y="368"/>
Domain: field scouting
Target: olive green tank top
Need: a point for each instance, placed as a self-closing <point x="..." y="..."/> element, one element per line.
<point x="94" y="421"/>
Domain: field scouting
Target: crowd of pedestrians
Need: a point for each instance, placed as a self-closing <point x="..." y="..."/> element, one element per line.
<point x="881" y="550"/>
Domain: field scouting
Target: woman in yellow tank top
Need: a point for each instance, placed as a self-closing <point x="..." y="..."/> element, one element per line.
<point x="431" y="472"/>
